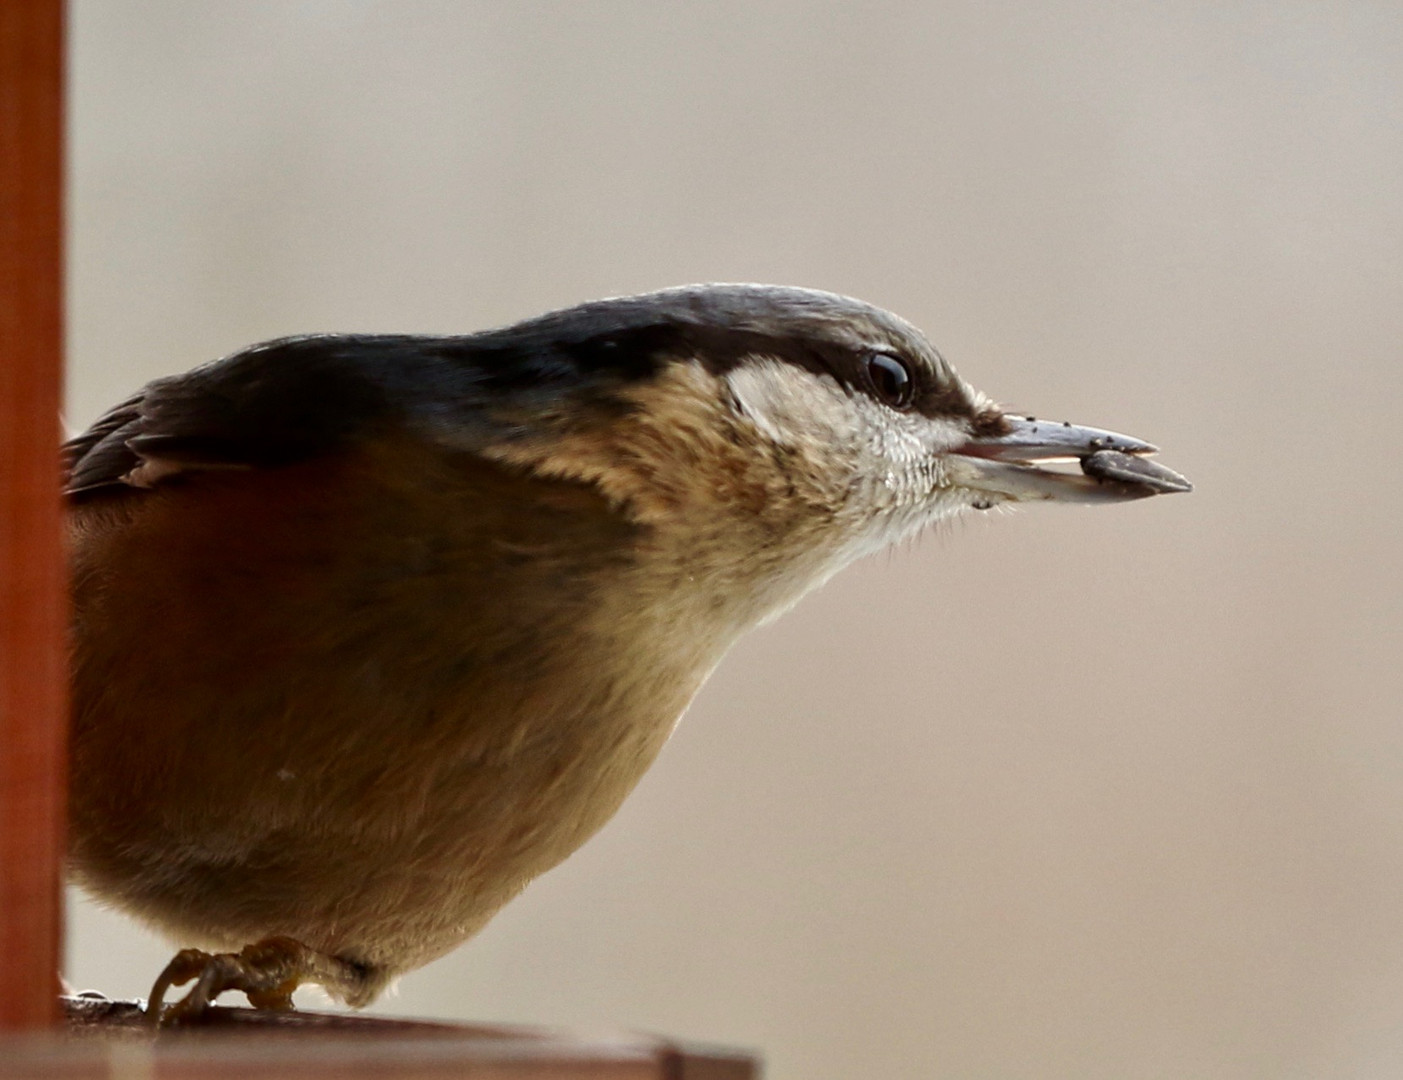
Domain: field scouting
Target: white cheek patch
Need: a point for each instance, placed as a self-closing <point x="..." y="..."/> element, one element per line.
<point x="910" y="441"/>
<point x="790" y="405"/>
<point x="889" y="467"/>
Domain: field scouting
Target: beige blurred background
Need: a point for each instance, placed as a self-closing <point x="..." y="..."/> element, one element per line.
<point x="1067" y="793"/>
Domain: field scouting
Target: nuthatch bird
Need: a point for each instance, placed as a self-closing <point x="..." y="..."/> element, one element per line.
<point x="370" y="630"/>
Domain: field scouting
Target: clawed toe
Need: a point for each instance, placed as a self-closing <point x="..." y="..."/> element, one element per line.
<point x="267" y="972"/>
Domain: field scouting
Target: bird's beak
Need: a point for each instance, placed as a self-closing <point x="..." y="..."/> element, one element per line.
<point x="1114" y="468"/>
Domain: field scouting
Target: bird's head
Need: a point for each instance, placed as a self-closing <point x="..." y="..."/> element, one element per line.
<point x="793" y="424"/>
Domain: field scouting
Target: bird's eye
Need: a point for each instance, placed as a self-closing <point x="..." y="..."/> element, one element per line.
<point x="891" y="380"/>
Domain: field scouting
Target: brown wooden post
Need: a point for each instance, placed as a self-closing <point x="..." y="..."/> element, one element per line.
<point x="33" y="718"/>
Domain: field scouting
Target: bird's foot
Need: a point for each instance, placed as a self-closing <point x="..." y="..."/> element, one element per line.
<point x="267" y="972"/>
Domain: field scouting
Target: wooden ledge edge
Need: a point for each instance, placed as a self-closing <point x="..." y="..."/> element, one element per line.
<point x="104" y="1037"/>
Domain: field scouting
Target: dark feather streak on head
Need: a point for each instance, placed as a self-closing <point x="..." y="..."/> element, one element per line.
<point x="721" y="327"/>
